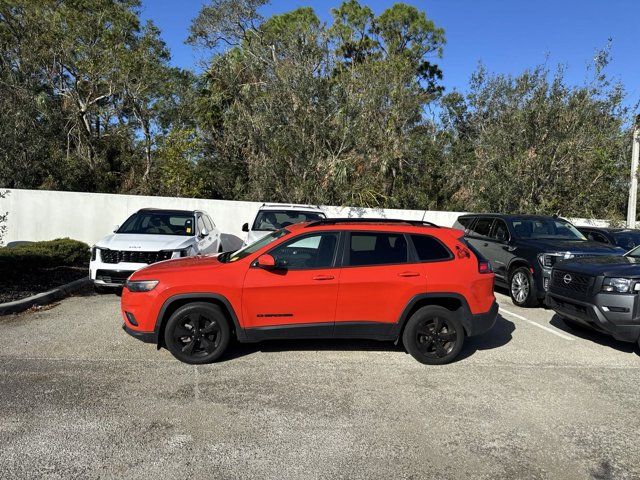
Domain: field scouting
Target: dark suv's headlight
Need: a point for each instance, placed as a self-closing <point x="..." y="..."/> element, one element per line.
<point x="620" y="285"/>
<point x="141" y="285"/>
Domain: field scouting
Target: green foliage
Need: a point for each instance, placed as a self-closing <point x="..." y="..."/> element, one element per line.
<point x="292" y="109"/>
<point x="46" y="254"/>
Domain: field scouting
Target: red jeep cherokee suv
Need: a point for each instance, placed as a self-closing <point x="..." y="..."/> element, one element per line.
<point x="333" y="278"/>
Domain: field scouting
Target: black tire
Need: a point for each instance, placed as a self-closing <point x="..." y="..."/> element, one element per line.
<point x="522" y="288"/>
<point x="433" y="335"/>
<point x="197" y="333"/>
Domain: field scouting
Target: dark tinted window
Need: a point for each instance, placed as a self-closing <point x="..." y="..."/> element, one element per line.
<point x="465" y="221"/>
<point x="428" y="248"/>
<point x="500" y="231"/>
<point x="483" y="226"/>
<point x="377" y="248"/>
<point x="627" y="240"/>
<point x="312" y="251"/>
<point x="276" y="219"/>
<point x="545" y="228"/>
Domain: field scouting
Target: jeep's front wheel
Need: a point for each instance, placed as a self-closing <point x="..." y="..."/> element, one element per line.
<point x="522" y="288"/>
<point x="433" y="335"/>
<point x="197" y="333"/>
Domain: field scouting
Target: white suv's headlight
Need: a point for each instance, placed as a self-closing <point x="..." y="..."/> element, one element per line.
<point x="141" y="285"/>
<point x="618" y="285"/>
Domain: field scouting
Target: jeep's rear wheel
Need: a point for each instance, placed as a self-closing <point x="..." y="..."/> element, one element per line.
<point x="197" y="333"/>
<point x="522" y="288"/>
<point x="433" y="335"/>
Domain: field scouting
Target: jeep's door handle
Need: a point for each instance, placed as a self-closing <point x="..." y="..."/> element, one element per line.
<point x="409" y="274"/>
<point x="323" y="277"/>
<point x="486" y="244"/>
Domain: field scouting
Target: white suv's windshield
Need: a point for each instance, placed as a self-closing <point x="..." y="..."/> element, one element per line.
<point x="541" y="228"/>
<point x="159" y="223"/>
<point x="268" y="220"/>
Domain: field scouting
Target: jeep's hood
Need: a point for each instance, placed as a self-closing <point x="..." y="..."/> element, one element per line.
<point x="573" y="246"/>
<point x="180" y="264"/>
<point x="145" y="243"/>
<point x="609" y="266"/>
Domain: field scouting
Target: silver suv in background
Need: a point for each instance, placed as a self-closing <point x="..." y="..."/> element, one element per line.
<point x="274" y="216"/>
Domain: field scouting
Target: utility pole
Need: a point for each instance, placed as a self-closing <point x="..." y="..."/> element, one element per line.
<point x="633" y="189"/>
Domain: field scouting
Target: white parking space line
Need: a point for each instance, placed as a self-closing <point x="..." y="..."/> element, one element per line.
<point x="544" y="327"/>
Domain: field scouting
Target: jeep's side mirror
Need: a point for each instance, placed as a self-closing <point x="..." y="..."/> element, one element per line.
<point x="245" y="227"/>
<point x="266" y="261"/>
<point x="204" y="232"/>
<point x="116" y="228"/>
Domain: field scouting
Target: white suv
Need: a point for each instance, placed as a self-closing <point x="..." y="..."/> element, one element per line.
<point x="273" y="216"/>
<point x="148" y="236"/>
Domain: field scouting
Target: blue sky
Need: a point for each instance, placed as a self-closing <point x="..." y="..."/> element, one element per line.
<point x="506" y="35"/>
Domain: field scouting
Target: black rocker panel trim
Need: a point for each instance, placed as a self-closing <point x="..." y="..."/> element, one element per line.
<point x="356" y="329"/>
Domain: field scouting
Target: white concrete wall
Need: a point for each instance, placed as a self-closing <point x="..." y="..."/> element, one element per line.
<point x="45" y="215"/>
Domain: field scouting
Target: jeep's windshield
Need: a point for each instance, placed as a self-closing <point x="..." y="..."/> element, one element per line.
<point x="545" y="228"/>
<point x="268" y="220"/>
<point x="253" y="247"/>
<point x="159" y="223"/>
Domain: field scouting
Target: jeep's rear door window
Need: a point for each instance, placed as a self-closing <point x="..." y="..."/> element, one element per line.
<point x="268" y="220"/>
<point x="429" y="249"/>
<point x="309" y="252"/>
<point x="368" y="248"/>
<point x="158" y="223"/>
<point x="482" y="227"/>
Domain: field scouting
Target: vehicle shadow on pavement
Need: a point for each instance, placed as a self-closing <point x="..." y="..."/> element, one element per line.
<point x="498" y="336"/>
<point x="594" y="336"/>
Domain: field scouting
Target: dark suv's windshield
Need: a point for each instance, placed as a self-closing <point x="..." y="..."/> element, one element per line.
<point x="159" y="223"/>
<point x="627" y="239"/>
<point x="545" y="228"/>
<point x="268" y="220"/>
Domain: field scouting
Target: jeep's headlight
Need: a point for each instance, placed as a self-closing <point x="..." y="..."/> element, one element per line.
<point x="141" y="285"/>
<point x="619" y="285"/>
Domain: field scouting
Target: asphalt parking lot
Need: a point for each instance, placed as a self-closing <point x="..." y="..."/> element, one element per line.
<point x="532" y="399"/>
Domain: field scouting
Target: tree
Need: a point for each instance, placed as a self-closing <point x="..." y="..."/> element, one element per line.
<point x="534" y="144"/>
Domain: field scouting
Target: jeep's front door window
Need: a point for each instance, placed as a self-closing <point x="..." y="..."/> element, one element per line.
<point x="311" y="251"/>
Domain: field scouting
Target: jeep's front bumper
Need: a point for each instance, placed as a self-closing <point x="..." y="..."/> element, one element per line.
<point x="612" y="313"/>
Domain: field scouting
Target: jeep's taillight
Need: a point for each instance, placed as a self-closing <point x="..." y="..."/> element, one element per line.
<point x="484" y="267"/>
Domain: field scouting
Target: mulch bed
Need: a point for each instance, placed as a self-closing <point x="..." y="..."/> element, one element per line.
<point x="38" y="281"/>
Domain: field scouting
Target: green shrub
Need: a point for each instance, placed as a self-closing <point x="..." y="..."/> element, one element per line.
<point x="47" y="254"/>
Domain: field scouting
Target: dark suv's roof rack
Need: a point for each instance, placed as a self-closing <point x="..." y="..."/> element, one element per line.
<point x="333" y="221"/>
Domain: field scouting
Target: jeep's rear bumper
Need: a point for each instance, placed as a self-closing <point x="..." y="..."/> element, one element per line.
<point x="621" y="324"/>
<point x="482" y="322"/>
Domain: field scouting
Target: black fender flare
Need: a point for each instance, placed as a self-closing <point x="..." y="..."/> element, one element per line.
<point x="240" y="333"/>
<point x="464" y="310"/>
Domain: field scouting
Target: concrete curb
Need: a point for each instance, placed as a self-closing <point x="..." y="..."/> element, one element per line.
<point x="44" y="298"/>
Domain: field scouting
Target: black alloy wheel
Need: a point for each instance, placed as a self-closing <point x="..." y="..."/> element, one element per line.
<point x="197" y="333"/>
<point x="433" y="335"/>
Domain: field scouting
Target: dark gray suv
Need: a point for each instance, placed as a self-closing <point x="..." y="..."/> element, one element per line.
<point x="522" y="249"/>
<point x="600" y="293"/>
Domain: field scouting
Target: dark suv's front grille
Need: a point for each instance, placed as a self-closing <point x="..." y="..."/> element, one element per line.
<point x="564" y="282"/>
<point x="117" y="256"/>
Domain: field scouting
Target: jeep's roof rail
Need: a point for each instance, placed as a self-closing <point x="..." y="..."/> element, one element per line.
<point x="290" y="205"/>
<point x="333" y="221"/>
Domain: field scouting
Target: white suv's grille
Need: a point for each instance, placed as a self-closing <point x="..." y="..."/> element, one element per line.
<point x="118" y="256"/>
